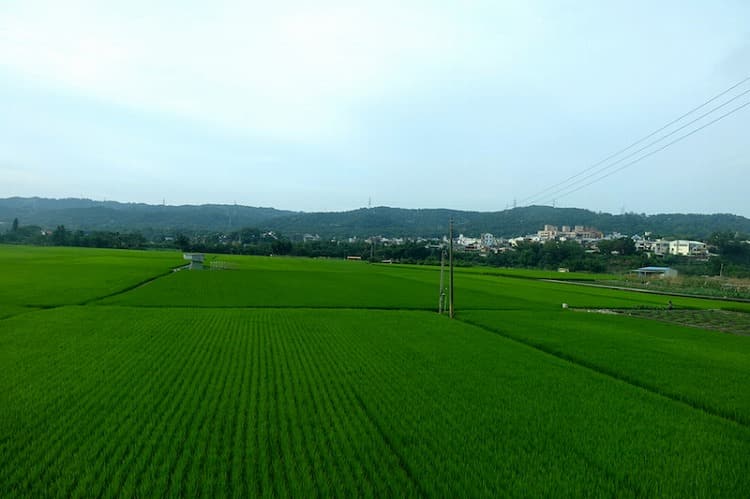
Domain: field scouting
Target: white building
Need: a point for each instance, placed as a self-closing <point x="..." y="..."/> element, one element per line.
<point x="688" y="248"/>
<point x="515" y="241"/>
<point x="488" y="240"/>
<point x="660" y="247"/>
<point x="467" y="241"/>
<point x="549" y="232"/>
<point x="577" y="233"/>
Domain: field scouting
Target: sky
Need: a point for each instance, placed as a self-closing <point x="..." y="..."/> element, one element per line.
<point x="330" y="106"/>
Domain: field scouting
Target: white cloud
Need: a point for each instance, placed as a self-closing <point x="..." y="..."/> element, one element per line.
<point x="290" y="71"/>
<point x="371" y="89"/>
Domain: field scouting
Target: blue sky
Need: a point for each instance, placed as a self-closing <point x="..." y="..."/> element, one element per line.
<point x="319" y="106"/>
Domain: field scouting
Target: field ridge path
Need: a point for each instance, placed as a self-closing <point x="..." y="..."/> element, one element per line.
<point x="139" y="284"/>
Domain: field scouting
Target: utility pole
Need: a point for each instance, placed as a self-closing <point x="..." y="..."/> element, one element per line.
<point x="372" y="249"/>
<point x="450" y="271"/>
<point x="441" y="293"/>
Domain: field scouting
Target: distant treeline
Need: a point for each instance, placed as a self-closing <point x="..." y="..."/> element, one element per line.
<point x="617" y="255"/>
<point x="732" y="250"/>
<point x="35" y="235"/>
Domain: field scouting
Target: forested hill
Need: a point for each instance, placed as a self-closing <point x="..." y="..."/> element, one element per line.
<point x="113" y="216"/>
<point x="87" y="214"/>
<point x="507" y="223"/>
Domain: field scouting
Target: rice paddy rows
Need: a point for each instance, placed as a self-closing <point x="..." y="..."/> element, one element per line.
<point x="358" y="285"/>
<point x="313" y="402"/>
<point x="168" y="389"/>
<point x="44" y="277"/>
<point x="708" y="369"/>
<point x="181" y="399"/>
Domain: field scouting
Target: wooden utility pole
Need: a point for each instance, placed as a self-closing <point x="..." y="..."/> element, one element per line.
<point x="450" y="271"/>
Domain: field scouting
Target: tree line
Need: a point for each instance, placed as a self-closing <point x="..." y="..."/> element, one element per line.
<point x="731" y="249"/>
<point x="36" y="236"/>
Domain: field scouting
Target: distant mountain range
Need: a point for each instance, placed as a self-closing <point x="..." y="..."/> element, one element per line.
<point x="86" y="214"/>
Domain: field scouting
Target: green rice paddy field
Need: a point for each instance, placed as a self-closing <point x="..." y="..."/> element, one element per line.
<point x="292" y="377"/>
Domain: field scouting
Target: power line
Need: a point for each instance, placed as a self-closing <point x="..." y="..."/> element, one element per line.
<point x="654" y="142"/>
<point x="538" y="194"/>
<point x="651" y="153"/>
<point x="611" y="156"/>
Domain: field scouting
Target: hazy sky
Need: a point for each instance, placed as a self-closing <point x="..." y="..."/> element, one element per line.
<point x="321" y="105"/>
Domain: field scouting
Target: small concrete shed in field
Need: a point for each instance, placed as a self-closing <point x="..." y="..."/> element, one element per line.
<point x="196" y="260"/>
<point x="655" y="271"/>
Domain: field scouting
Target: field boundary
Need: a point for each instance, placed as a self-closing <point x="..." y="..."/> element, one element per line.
<point x="296" y="307"/>
<point x="89" y="301"/>
<point x="678" y="398"/>
<point x="266" y="307"/>
<point x="31" y="308"/>
<point x="649" y="291"/>
<point x="131" y="287"/>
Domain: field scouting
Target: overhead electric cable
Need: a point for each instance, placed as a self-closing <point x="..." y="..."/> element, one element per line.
<point x="652" y="143"/>
<point x="651" y="153"/>
<point x="611" y="156"/>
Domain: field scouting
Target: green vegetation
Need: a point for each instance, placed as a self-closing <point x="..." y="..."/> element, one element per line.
<point x="720" y="287"/>
<point x="298" y="377"/>
<point x="290" y="282"/>
<point x="87" y="214"/>
<point x="710" y="370"/>
<point x="10" y="310"/>
<point x="299" y="403"/>
<point x="716" y="320"/>
<point x="44" y="277"/>
<point x="225" y="230"/>
<point x="35" y="235"/>
<point x="536" y="274"/>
